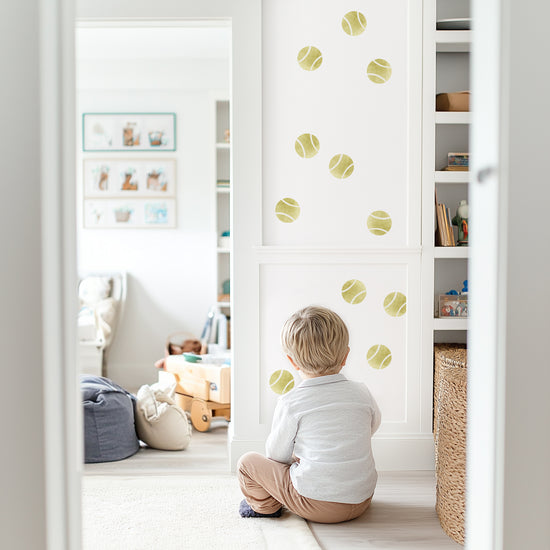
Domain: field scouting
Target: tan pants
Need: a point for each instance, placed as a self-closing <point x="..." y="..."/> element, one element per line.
<point x="266" y="485"/>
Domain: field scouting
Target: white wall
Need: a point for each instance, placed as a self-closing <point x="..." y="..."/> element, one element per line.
<point x="22" y="498"/>
<point x="309" y="260"/>
<point x="171" y="272"/>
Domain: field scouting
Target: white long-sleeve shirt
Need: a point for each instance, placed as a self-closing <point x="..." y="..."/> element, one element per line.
<point x="327" y="423"/>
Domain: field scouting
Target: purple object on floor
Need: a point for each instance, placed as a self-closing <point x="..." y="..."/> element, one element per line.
<point x="247" y="512"/>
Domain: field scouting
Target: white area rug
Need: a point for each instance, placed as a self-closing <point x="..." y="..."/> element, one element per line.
<point x="183" y="513"/>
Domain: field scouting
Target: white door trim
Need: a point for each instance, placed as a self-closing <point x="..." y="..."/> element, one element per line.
<point x="62" y="410"/>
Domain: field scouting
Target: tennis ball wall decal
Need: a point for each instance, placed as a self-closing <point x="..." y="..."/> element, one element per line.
<point x="307" y="146"/>
<point x="310" y="58"/>
<point x="395" y="304"/>
<point x="281" y="381"/>
<point x="379" y="222"/>
<point x="354" y="291"/>
<point x="379" y="357"/>
<point x="287" y="210"/>
<point x="354" y="23"/>
<point x="379" y="71"/>
<point x="341" y="166"/>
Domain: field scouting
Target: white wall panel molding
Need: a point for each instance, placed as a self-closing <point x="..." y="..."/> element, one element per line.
<point x="330" y="255"/>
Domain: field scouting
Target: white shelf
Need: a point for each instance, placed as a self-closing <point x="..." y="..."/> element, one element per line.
<point x="457" y="252"/>
<point x="223" y="190"/>
<point x="223" y="250"/>
<point x="223" y="304"/>
<point x="453" y="41"/>
<point x="223" y="145"/>
<point x="452" y="117"/>
<point x="444" y="176"/>
<point x="450" y="324"/>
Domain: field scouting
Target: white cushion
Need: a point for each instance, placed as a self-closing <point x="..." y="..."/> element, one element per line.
<point x="160" y="423"/>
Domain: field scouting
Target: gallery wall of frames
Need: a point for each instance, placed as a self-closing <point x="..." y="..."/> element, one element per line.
<point x="128" y="191"/>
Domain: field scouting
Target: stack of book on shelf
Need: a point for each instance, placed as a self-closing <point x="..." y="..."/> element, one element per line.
<point x="457" y="162"/>
<point x="444" y="235"/>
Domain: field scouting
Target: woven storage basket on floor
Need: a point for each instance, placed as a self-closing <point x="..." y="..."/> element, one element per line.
<point x="445" y="356"/>
<point x="450" y="442"/>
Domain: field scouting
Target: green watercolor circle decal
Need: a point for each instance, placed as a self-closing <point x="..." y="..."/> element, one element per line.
<point x="379" y="71"/>
<point x="310" y="58"/>
<point x="379" y="222"/>
<point x="354" y="291"/>
<point x="354" y="23"/>
<point x="395" y="304"/>
<point x="281" y="381"/>
<point x="379" y="357"/>
<point x="341" y="166"/>
<point x="306" y="146"/>
<point x="287" y="210"/>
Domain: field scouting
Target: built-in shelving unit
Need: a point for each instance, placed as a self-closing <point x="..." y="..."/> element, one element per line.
<point x="452" y="118"/>
<point x="457" y="252"/>
<point x="446" y="69"/>
<point x="453" y="41"/>
<point x="450" y="324"/>
<point x="223" y="198"/>
<point x="443" y="177"/>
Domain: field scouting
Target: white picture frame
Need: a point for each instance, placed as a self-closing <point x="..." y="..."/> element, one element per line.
<point x="153" y="213"/>
<point x="129" y="178"/>
<point x="128" y="132"/>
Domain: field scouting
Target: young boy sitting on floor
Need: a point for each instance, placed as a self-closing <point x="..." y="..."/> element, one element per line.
<point x="319" y="460"/>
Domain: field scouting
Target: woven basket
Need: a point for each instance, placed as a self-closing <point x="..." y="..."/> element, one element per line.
<point x="450" y="441"/>
<point x="445" y="356"/>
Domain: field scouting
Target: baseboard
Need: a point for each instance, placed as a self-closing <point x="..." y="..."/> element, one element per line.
<point x="391" y="453"/>
<point x="238" y="447"/>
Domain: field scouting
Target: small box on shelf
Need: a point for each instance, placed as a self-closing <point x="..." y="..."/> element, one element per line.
<point x="454" y="101"/>
<point x="453" y="305"/>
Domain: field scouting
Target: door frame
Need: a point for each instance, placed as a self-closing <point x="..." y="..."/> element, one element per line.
<point x="62" y="414"/>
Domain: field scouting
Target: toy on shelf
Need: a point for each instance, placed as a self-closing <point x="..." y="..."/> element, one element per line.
<point x="461" y="221"/>
<point x="453" y="304"/>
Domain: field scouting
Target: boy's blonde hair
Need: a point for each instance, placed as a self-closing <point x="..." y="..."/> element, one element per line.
<point x="317" y="340"/>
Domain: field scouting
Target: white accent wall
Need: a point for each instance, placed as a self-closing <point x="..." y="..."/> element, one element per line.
<point x="309" y="260"/>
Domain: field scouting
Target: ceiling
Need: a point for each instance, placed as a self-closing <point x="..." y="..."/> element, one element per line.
<point x="195" y="42"/>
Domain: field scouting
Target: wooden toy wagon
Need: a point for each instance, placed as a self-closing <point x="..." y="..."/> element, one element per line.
<point x="202" y="389"/>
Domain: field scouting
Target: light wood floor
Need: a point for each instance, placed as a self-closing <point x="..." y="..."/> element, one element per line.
<point x="402" y="515"/>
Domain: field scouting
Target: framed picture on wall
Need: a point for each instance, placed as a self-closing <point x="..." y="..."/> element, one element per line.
<point x="136" y="178"/>
<point x="129" y="132"/>
<point x="153" y="213"/>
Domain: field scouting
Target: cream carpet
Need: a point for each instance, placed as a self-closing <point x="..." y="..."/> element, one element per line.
<point x="183" y="513"/>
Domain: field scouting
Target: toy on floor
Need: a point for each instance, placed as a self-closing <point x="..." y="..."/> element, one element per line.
<point x="203" y="389"/>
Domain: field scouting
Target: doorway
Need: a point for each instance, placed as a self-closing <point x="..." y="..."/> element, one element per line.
<point x="153" y="211"/>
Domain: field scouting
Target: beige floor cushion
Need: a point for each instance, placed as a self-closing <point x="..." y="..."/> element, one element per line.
<point x="160" y="423"/>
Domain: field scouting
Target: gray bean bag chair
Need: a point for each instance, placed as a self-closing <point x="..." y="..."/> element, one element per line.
<point x="109" y="429"/>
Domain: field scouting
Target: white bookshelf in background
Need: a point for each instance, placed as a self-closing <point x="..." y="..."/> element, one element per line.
<point x="223" y="199"/>
<point x="446" y="69"/>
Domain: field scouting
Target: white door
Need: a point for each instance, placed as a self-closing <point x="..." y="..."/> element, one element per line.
<point x="508" y="445"/>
